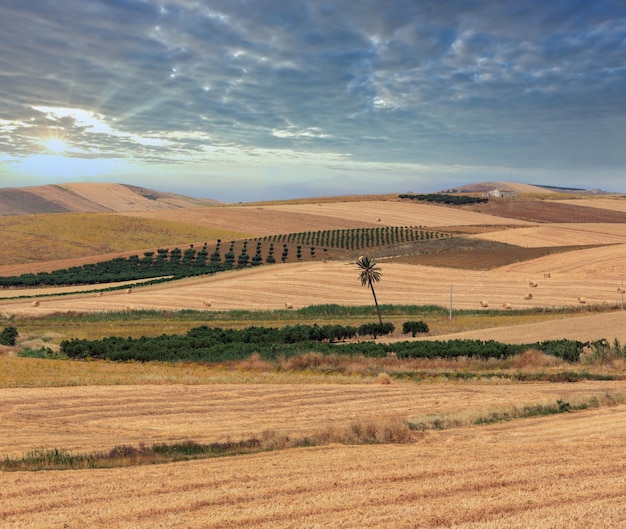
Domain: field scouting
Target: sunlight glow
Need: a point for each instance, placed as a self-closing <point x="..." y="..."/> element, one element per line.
<point x="55" y="145"/>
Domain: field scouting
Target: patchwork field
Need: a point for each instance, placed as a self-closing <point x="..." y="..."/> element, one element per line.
<point x="564" y="470"/>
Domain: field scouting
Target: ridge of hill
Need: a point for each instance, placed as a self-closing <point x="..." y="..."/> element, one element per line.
<point x="526" y="189"/>
<point x="91" y="198"/>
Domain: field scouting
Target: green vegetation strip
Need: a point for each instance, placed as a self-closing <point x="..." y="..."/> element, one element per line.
<point x="515" y="413"/>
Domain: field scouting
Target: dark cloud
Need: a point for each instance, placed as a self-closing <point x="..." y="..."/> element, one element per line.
<point x="477" y="83"/>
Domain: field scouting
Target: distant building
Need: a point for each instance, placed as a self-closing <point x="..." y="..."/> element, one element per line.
<point x="501" y="194"/>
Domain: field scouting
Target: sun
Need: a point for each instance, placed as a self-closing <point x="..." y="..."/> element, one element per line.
<point x="55" y="145"/>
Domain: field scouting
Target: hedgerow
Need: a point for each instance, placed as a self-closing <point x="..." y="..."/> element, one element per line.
<point x="209" y="344"/>
<point x="455" y="200"/>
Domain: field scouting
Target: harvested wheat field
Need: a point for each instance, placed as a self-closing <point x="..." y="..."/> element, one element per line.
<point x="398" y="213"/>
<point x="559" y="235"/>
<point x="617" y="203"/>
<point x="92" y="418"/>
<point x="566" y="471"/>
<point x="593" y="275"/>
<point x="288" y="218"/>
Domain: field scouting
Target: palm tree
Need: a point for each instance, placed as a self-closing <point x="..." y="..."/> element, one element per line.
<point x="369" y="274"/>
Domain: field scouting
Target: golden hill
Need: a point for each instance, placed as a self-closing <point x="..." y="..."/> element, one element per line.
<point x="90" y="198"/>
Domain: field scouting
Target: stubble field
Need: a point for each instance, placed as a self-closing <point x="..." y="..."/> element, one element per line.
<point x="544" y="473"/>
<point x="559" y="471"/>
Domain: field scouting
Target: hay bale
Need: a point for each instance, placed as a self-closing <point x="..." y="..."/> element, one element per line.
<point x="129" y="290"/>
<point x="289" y="306"/>
<point x="532" y="284"/>
<point x="507" y="306"/>
<point x="484" y="303"/>
<point x="378" y="219"/>
<point x="620" y="290"/>
<point x="528" y="296"/>
<point x="581" y="299"/>
<point x="546" y="276"/>
<point x="35" y="304"/>
<point x="206" y="303"/>
<point x="99" y="295"/>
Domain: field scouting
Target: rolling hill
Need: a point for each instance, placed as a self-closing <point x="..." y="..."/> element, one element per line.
<point x="90" y="198"/>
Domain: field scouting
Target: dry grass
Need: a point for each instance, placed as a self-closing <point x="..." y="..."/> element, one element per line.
<point x="51" y="237"/>
<point x="561" y="461"/>
<point x="85" y="419"/>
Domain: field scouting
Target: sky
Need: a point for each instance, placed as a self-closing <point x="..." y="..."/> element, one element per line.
<point x="243" y="100"/>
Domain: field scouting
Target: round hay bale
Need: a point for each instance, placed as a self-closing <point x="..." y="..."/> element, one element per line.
<point x="99" y="295"/>
<point x="206" y="303"/>
<point x="289" y="306"/>
<point x="532" y="284"/>
<point x="35" y="304"/>
<point x="581" y="299"/>
<point x="507" y="306"/>
<point x="129" y="290"/>
<point x="484" y="303"/>
<point x="528" y="296"/>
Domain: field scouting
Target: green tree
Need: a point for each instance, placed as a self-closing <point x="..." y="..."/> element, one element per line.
<point x="414" y="327"/>
<point x="370" y="273"/>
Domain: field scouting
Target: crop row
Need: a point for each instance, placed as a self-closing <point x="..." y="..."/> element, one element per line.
<point x="358" y="238"/>
<point x="178" y="263"/>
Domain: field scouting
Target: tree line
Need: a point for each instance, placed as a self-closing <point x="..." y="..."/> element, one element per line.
<point x="178" y="263"/>
<point x="207" y="344"/>
<point x="454" y="200"/>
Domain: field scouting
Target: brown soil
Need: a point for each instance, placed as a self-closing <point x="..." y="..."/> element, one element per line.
<point x="474" y="254"/>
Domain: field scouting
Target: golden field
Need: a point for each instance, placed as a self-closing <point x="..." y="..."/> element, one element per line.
<point x="544" y="473"/>
<point x="565" y="470"/>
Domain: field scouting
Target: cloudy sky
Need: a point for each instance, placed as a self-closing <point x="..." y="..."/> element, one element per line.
<point x="253" y="99"/>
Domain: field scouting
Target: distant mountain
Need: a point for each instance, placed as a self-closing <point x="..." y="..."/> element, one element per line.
<point x="91" y="198"/>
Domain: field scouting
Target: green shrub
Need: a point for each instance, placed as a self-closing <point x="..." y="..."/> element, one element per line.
<point x="8" y="336"/>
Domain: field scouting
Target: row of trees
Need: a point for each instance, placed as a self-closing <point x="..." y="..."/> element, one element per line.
<point x="454" y="200"/>
<point x="196" y="346"/>
<point x="358" y="238"/>
<point x="223" y="256"/>
<point x="215" y="344"/>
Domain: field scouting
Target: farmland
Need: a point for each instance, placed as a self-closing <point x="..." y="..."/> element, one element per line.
<point x="462" y="442"/>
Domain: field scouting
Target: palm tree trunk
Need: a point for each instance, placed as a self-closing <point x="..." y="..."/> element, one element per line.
<point x="376" y="303"/>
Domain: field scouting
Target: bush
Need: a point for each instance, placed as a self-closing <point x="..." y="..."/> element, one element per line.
<point x="414" y="327"/>
<point x="8" y="336"/>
